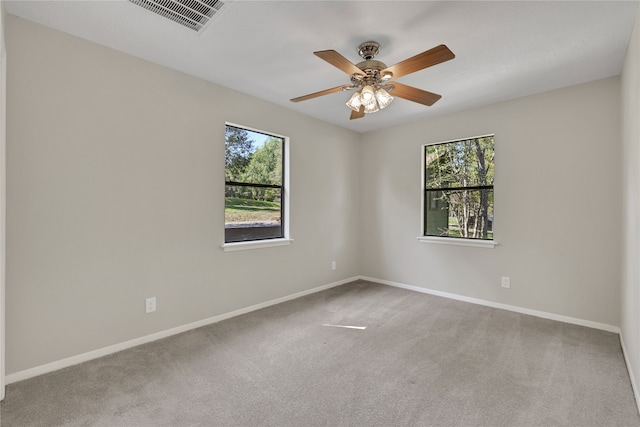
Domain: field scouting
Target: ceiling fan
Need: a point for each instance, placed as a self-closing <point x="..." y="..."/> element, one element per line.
<point x="371" y="79"/>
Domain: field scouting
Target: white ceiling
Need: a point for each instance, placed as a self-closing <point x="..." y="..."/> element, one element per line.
<point x="504" y="49"/>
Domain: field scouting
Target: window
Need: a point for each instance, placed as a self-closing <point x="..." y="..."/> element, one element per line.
<point x="458" y="189"/>
<point x="255" y="190"/>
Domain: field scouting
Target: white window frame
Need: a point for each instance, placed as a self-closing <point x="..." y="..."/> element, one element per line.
<point x="286" y="190"/>
<point x="456" y="241"/>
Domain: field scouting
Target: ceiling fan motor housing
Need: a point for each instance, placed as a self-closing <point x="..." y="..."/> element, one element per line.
<point x="371" y="69"/>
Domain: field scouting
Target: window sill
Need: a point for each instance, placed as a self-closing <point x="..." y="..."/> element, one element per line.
<point x="458" y="242"/>
<point x="255" y="244"/>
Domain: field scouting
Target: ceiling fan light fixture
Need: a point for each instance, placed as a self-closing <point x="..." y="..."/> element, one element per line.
<point x="371" y="106"/>
<point x="367" y="95"/>
<point x="383" y="97"/>
<point x="355" y="102"/>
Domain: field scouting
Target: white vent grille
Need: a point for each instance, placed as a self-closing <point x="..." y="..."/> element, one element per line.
<point x="193" y="14"/>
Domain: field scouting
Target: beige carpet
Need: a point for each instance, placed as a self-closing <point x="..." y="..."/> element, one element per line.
<point x="421" y="361"/>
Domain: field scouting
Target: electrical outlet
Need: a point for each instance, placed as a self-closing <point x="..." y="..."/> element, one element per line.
<point x="506" y="282"/>
<point x="333" y="265"/>
<point x="150" y="305"/>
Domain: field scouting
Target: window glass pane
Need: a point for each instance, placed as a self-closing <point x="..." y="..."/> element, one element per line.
<point x="459" y="213"/>
<point x="465" y="163"/>
<point x="252" y="157"/>
<point x="252" y="213"/>
<point x="254" y="185"/>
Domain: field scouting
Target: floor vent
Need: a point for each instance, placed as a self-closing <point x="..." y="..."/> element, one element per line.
<point x="193" y="14"/>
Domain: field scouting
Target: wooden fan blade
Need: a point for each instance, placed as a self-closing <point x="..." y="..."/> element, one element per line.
<point x="414" y="94"/>
<point x="338" y="61"/>
<point x="421" y="61"/>
<point x="321" y="93"/>
<point x="357" y="114"/>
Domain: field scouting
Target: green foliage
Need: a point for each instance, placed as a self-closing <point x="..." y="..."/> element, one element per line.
<point x="238" y="152"/>
<point x="265" y="167"/>
<point x="460" y="164"/>
<point x="244" y="163"/>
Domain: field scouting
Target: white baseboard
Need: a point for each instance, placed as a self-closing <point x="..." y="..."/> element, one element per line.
<point x="634" y="385"/>
<point x="85" y="357"/>
<point x="543" y="314"/>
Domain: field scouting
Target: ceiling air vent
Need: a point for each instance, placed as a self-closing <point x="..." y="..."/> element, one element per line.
<point x="194" y="14"/>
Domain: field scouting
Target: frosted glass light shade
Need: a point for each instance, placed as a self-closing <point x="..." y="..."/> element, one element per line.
<point x="367" y="94"/>
<point x="355" y="102"/>
<point x="383" y="98"/>
<point x="371" y="107"/>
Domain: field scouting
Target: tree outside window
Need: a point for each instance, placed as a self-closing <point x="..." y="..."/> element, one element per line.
<point x="458" y="188"/>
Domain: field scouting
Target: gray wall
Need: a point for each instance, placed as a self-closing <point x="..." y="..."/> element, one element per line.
<point x="116" y="193"/>
<point x="557" y="182"/>
<point x="630" y="318"/>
